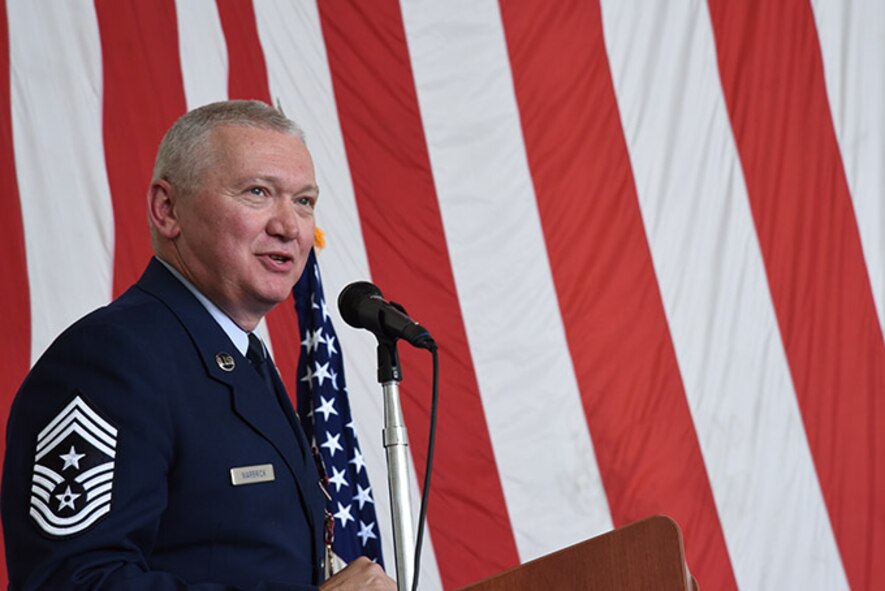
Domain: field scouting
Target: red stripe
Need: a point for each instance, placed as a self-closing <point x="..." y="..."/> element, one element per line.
<point x="772" y="73"/>
<point x="15" y="299"/>
<point x="143" y="95"/>
<point x="247" y="79"/>
<point x="384" y="139"/>
<point x="247" y="72"/>
<point x="646" y="446"/>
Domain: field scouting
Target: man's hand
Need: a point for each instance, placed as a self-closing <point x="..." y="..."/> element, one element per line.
<point x="362" y="573"/>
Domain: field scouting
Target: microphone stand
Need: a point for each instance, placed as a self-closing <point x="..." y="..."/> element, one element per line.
<point x="396" y="443"/>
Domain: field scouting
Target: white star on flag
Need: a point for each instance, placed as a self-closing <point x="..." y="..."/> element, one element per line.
<point x="363" y="495"/>
<point x="327" y="407"/>
<point x="308" y="377"/>
<point x="330" y="345"/>
<point x="344" y="514"/>
<point x="338" y="479"/>
<point x="366" y="532"/>
<point x="358" y="461"/>
<point x="312" y="340"/>
<point x="332" y="444"/>
<point x="321" y="372"/>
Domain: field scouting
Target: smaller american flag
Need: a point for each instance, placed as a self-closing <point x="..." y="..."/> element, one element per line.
<point x="325" y="415"/>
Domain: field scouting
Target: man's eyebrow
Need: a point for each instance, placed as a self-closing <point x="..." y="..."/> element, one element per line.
<point x="276" y="180"/>
<point x="313" y="188"/>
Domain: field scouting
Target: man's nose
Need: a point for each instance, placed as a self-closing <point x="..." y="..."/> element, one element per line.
<point x="284" y="221"/>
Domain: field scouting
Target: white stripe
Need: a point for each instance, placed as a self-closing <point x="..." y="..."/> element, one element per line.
<point x="42" y="488"/>
<point x="57" y="135"/>
<point x="48" y="473"/>
<point x="203" y="52"/>
<point x="106" y="467"/>
<point x="82" y="514"/>
<point x="300" y="79"/>
<point x="80" y="404"/>
<point x="99" y="490"/>
<point x="49" y="441"/>
<point x="852" y="40"/>
<point x="712" y="278"/>
<point x="38" y="512"/>
<point x="105" y="473"/>
<point x="493" y="231"/>
<point x="64" y="531"/>
<point x="87" y="435"/>
<point x="51" y="438"/>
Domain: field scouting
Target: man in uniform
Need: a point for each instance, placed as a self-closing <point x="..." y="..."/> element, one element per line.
<point x="153" y="445"/>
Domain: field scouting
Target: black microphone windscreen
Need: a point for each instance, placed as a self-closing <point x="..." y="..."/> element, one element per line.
<point x="350" y="298"/>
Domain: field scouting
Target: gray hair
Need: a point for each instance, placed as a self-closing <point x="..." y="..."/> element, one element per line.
<point x="185" y="151"/>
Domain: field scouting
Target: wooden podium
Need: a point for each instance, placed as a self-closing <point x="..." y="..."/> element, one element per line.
<point x="644" y="555"/>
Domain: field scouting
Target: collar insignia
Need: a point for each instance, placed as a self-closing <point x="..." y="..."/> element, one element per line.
<point x="225" y="361"/>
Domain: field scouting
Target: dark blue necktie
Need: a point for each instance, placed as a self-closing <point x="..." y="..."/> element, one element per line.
<point x="258" y="358"/>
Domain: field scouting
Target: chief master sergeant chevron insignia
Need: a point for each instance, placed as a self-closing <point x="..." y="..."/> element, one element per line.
<point x="73" y="470"/>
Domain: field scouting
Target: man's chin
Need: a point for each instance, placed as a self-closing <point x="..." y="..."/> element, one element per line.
<point x="275" y="297"/>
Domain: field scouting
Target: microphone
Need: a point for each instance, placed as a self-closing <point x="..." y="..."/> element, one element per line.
<point x="362" y="305"/>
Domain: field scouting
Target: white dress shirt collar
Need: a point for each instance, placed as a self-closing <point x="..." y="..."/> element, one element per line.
<point x="238" y="336"/>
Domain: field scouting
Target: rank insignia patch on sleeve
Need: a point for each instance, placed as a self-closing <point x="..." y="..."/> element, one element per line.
<point x="73" y="470"/>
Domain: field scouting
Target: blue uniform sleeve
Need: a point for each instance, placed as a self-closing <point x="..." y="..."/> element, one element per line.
<point x="91" y="442"/>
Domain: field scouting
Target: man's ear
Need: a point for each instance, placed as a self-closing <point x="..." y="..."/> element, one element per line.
<point x="162" y="210"/>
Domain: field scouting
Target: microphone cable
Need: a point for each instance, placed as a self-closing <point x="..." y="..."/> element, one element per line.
<point x="425" y="492"/>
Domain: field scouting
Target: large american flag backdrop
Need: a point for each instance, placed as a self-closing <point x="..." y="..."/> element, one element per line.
<point x="648" y="236"/>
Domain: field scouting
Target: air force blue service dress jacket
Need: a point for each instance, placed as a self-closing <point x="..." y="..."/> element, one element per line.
<point x="144" y="452"/>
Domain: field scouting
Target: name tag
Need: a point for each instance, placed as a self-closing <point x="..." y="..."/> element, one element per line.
<point x="251" y="474"/>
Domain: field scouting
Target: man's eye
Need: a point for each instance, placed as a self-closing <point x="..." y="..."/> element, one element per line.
<point x="258" y="191"/>
<point x="306" y="201"/>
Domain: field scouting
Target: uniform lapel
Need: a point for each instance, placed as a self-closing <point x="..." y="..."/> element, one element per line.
<point x="314" y="500"/>
<point x="285" y="403"/>
<point x="259" y="407"/>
